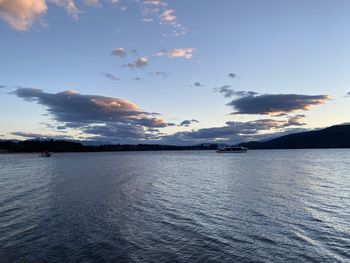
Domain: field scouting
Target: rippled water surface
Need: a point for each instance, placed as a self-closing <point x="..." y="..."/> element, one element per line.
<point x="262" y="206"/>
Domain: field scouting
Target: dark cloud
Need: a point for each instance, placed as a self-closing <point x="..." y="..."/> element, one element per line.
<point x="138" y="63"/>
<point x="276" y="103"/>
<point x="120" y="133"/>
<point x="347" y="94"/>
<point x="112" y="77"/>
<point x="232" y="75"/>
<point x="90" y="113"/>
<point x="234" y="132"/>
<point x="295" y="121"/>
<point x="119" y="52"/>
<point x="198" y="84"/>
<point x="187" y="123"/>
<point x="228" y="92"/>
<point x="136" y="78"/>
<point x="160" y="73"/>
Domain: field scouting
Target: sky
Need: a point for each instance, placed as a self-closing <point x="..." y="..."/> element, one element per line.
<point x="173" y="72"/>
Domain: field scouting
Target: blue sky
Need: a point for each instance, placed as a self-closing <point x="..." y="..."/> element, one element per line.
<point x="273" y="48"/>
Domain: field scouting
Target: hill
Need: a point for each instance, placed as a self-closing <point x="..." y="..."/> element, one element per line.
<point x="332" y="137"/>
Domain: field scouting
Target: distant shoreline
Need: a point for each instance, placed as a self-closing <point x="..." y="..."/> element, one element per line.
<point x="170" y="150"/>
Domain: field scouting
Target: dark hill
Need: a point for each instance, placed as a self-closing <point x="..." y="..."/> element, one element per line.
<point x="332" y="137"/>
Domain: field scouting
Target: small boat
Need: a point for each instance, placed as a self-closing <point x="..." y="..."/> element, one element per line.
<point x="231" y="149"/>
<point x="45" y="154"/>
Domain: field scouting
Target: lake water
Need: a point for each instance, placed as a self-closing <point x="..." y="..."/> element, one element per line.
<point x="193" y="206"/>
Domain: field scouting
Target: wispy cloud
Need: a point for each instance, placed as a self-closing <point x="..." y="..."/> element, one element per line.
<point x="186" y="53"/>
<point x="31" y="135"/>
<point x="160" y="73"/>
<point x="92" y="2"/>
<point x="21" y="14"/>
<point x="112" y="77"/>
<point x="228" y="92"/>
<point x="69" y="5"/>
<point x="119" y="52"/>
<point x="141" y="62"/>
<point x="156" y="10"/>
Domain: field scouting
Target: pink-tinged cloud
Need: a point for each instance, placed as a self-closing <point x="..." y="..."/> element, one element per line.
<point x="157" y="10"/>
<point x="168" y="16"/>
<point x="78" y="110"/>
<point x="186" y="53"/>
<point x="20" y="14"/>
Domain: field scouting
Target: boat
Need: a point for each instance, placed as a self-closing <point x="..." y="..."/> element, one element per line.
<point x="231" y="149"/>
<point x="45" y="154"/>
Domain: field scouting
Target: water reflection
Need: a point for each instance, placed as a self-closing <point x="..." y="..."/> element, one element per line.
<point x="176" y="206"/>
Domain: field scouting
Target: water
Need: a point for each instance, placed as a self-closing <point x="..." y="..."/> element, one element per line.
<point x="262" y="206"/>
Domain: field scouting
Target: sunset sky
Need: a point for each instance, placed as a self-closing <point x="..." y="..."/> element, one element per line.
<point x="174" y="72"/>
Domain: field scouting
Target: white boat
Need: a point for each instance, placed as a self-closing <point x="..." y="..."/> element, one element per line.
<point x="45" y="154"/>
<point x="231" y="149"/>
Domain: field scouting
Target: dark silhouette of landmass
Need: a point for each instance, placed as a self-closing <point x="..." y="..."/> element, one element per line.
<point x="332" y="137"/>
<point x="68" y="146"/>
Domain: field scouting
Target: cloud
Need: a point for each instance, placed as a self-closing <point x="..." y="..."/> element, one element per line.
<point x="198" y="84"/>
<point x="187" y="123"/>
<point x="141" y="62"/>
<point x="232" y="75"/>
<point x="89" y="112"/>
<point x="233" y="132"/>
<point x="114" y="2"/>
<point x="186" y="53"/>
<point x="160" y="73"/>
<point x="69" y="5"/>
<point x="136" y="78"/>
<point x="347" y="94"/>
<point x="272" y="104"/>
<point x="93" y="2"/>
<point x="168" y="16"/>
<point x="156" y="10"/>
<point x="30" y="135"/>
<point x="295" y="121"/>
<point x="112" y="77"/>
<point x="119" y="52"/>
<point x="21" y="14"/>
<point x="229" y="92"/>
